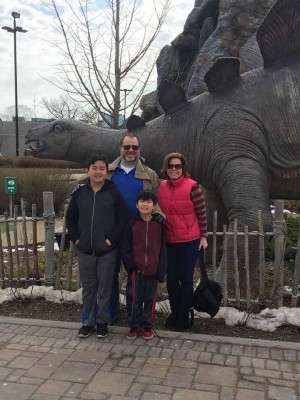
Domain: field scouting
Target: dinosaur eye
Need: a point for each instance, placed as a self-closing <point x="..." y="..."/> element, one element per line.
<point x="58" y="128"/>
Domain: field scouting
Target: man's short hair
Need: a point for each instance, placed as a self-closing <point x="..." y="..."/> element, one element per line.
<point x="95" y="158"/>
<point x="131" y="135"/>
<point x="147" y="195"/>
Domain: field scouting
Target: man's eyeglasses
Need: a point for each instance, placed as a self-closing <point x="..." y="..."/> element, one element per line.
<point x="134" y="147"/>
<point x="176" y="166"/>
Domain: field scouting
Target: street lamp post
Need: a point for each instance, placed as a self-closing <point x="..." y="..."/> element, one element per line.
<point x="14" y="30"/>
<point x="125" y="95"/>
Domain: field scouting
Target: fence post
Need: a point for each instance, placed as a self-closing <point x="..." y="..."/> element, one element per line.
<point x="34" y="242"/>
<point x="49" y="215"/>
<point x="214" y="249"/>
<point x="248" y="290"/>
<point x="70" y="265"/>
<point x="9" y="248"/>
<point x="225" y="242"/>
<point x="61" y="251"/>
<point x="1" y="265"/>
<point x="296" y="274"/>
<point x="261" y="243"/>
<point x="279" y="237"/>
<point x="16" y="244"/>
<point x="236" y="264"/>
<point x="25" y="238"/>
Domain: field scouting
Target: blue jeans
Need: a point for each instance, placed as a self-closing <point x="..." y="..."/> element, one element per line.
<point x="182" y="258"/>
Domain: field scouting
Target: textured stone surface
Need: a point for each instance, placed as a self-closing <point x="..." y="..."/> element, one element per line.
<point x="119" y="370"/>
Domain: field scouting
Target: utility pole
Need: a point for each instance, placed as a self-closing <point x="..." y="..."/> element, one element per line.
<point x="125" y="95"/>
<point x="14" y="30"/>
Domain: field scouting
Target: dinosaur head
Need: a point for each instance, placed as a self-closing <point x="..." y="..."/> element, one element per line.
<point x="53" y="140"/>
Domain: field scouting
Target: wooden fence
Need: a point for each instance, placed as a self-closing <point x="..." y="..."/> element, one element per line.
<point x="22" y="264"/>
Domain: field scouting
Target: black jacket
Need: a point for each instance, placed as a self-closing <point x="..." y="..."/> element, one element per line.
<point x="93" y="217"/>
<point x="144" y="248"/>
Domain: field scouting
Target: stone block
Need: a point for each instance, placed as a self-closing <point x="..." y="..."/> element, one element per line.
<point x="216" y="375"/>
<point x="178" y="380"/>
<point x="23" y="362"/>
<point x="110" y="383"/>
<point x="247" y="394"/>
<point x="14" y="391"/>
<point x="184" y="394"/>
<point x="58" y="388"/>
<point x="75" y="372"/>
<point x="154" y="371"/>
<point x="281" y="392"/>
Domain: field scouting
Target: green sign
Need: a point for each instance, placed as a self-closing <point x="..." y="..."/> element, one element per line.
<point x="10" y="185"/>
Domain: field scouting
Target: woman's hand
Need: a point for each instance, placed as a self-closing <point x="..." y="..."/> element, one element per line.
<point x="203" y="243"/>
<point x="107" y="241"/>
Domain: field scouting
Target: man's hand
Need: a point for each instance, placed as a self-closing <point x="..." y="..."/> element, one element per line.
<point x="107" y="241"/>
<point x="158" y="217"/>
<point x="203" y="243"/>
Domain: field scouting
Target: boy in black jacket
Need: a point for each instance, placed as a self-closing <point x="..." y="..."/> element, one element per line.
<point x="145" y="260"/>
<point x="95" y="219"/>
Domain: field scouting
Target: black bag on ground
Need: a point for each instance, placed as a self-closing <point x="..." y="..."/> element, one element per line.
<point x="208" y="294"/>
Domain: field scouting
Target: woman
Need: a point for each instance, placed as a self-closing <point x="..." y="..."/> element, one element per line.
<point x="182" y="201"/>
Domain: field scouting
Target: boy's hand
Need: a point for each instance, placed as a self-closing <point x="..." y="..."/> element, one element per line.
<point x="160" y="279"/>
<point x="107" y="241"/>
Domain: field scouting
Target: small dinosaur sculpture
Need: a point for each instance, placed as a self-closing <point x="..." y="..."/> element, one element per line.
<point x="242" y="138"/>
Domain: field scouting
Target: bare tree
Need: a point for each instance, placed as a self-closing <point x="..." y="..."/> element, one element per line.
<point x="65" y="107"/>
<point x="23" y="111"/>
<point x="62" y="107"/>
<point x="107" y="46"/>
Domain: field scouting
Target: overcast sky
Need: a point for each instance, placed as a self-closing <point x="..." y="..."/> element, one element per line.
<point x="37" y="57"/>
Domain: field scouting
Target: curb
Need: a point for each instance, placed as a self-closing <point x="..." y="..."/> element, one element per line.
<point x="160" y="333"/>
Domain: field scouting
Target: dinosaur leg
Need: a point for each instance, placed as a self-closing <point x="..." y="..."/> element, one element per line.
<point x="245" y="190"/>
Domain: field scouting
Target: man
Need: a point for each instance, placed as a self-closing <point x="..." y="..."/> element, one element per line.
<point x="131" y="175"/>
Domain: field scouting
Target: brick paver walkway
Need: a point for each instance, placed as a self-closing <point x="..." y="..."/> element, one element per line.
<point x="44" y="360"/>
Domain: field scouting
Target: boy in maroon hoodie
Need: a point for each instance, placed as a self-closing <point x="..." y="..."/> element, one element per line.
<point x="145" y="259"/>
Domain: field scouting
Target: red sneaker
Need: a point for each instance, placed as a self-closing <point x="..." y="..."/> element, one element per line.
<point x="132" y="334"/>
<point x="148" y="334"/>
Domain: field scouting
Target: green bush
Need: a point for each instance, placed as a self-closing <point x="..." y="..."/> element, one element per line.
<point x="31" y="183"/>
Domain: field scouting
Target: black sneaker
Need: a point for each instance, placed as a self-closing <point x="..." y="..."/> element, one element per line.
<point x="85" y="331"/>
<point x="102" y="330"/>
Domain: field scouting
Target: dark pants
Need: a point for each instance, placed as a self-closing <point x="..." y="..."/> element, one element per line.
<point x="144" y="295"/>
<point x="115" y="295"/>
<point x="96" y="275"/>
<point x="182" y="258"/>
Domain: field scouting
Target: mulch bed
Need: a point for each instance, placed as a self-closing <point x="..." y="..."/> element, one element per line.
<point x="42" y="309"/>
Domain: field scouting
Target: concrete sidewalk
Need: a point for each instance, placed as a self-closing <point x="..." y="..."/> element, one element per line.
<point x="44" y="360"/>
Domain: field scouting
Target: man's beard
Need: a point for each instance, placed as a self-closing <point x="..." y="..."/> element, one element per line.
<point x="131" y="159"/>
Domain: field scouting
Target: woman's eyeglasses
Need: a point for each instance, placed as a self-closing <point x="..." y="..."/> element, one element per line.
<point x="134" y="147"/>
<point x="176" y="166"/>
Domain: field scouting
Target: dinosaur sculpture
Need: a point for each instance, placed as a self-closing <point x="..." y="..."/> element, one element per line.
<point x="242" y="139"/>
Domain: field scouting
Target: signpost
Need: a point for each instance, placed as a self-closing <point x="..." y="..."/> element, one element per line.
<point x="10" y="189"/>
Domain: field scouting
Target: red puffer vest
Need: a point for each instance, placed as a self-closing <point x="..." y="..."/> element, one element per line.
<point x="176" y="203"/>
